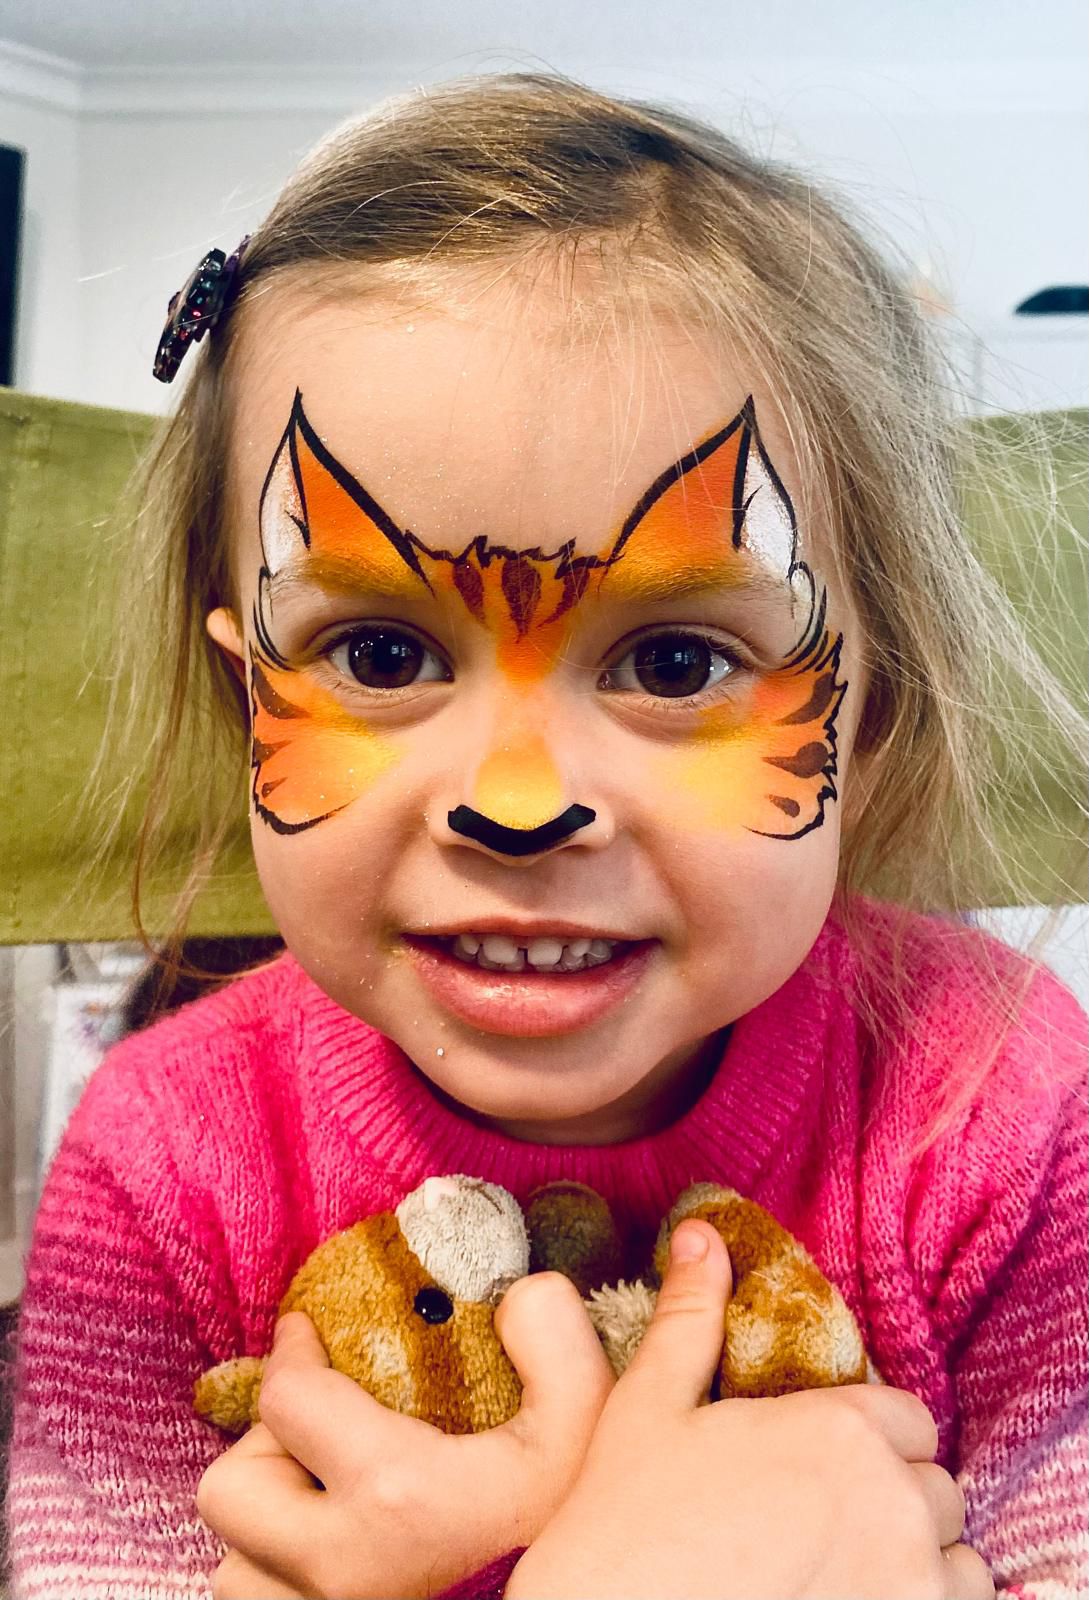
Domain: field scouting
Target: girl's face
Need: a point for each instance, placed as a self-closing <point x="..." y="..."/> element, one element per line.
<point x="542" y="647"/>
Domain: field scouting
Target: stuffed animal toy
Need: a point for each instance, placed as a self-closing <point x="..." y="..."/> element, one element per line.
<point x="403" y="1302"/>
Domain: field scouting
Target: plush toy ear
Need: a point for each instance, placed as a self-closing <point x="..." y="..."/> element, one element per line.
<point x="786" y="1326"/>
<point x="571" y="1230"/>
<point x="227" y="1394"/>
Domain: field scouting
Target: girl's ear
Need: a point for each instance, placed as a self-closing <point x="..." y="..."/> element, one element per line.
<point x="876" y="719"/>
<point x="222" y="625"/>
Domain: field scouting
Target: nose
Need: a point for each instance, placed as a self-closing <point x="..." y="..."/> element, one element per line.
<point x="506" y="841"/>
<point x="517" y="802"/>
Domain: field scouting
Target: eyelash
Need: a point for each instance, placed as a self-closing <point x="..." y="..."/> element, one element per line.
<point x="669" y="702"/>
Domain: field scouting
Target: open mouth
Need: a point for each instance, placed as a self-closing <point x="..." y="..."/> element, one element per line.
<point x="541" y="987"/>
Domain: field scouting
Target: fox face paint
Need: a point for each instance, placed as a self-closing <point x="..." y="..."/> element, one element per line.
<point x="764" y="760"/>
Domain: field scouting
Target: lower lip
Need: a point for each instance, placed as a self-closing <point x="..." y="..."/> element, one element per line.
<point x="528" y="1005"/>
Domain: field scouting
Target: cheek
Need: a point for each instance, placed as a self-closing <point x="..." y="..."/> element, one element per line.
<point x="767" y="764"/>
<point x="302" y="872"/>
<point x="324" y="889"/>
<point x="752" y="908"/>
<point x="311" y="757"/>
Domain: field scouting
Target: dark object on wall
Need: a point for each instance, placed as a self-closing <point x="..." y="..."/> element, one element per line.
<point x="11" y="227"/>
<point x="1062" y="300"/>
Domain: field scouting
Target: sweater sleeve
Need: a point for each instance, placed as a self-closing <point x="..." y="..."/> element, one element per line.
<point x="1020" y="1283"/>
<point x="106" y="1449"/>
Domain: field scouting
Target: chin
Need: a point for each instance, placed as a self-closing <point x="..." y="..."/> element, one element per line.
<point x="519" y="1095"/>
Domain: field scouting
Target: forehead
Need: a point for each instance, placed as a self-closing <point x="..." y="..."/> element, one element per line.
<point x="498" y="413"/>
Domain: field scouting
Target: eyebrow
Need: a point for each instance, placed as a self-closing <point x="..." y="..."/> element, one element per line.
<point x="341" y="578"/>
<point x="654" y="589"/>
<point x="347" y="579"/>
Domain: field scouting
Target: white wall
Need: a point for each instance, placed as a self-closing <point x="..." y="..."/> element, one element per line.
<point x="982" y="170"/>
<point x="978" y="174"/>
<point x="47" y="331"/>
<point x="159" y="191"/>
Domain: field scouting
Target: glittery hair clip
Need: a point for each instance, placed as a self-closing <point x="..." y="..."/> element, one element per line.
<point x="196" y="308"/>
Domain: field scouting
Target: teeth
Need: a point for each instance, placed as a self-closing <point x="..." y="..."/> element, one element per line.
<point x="498" y="948"/>
<point x="495" y="952"/>
<point x="544" y="952"/>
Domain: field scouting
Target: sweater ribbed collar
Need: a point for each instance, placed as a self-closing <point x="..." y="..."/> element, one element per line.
<point x="765" y="1086"/>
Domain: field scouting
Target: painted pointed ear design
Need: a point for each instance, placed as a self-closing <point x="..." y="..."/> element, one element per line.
<point x="717" y="514"/>
<point x="315" y="516"/>
<point x="720" y="502"/>
<point x="768" y="528"/>
<point x="686" y="521"/>
<point x="311" y="757"/>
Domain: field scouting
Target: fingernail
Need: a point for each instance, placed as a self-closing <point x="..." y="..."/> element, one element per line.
<point x="688" y="1244"/>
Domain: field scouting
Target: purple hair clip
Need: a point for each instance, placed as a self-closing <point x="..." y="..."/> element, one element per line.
<point x="196" y="308"/>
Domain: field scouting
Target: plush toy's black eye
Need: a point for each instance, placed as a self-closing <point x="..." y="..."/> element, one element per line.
<point x="433" y="1305"/>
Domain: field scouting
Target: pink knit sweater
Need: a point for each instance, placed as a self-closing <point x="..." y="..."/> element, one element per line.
<point x="212" y="1152"/>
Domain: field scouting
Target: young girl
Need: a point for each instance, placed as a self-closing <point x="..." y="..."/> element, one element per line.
<point x="567" y="502"/>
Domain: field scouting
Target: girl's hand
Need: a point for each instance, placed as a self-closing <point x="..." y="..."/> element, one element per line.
<point x="406" y="1510"/>
<point x="827" y="1494"/>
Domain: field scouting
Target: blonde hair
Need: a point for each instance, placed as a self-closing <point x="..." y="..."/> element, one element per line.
<point x="494" y="168"/>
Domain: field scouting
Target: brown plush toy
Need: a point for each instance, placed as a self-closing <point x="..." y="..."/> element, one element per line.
<point x="403" y="1302"/>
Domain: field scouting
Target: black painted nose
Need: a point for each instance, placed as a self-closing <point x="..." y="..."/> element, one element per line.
<point x="518" y="841"/>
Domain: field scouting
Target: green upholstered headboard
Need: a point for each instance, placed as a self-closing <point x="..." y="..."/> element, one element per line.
<point x="62" y="467"/>
<point x="62" y="471"/>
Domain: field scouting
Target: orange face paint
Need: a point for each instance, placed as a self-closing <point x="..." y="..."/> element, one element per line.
<point x="311" y="757"/>
<point x="767" y="765"/>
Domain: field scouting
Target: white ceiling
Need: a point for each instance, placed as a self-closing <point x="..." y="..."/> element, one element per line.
<point x="134" y="34"/>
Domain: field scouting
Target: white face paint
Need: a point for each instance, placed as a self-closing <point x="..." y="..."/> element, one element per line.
<point x="282" y="514"/>
<point x="769" y="528"/>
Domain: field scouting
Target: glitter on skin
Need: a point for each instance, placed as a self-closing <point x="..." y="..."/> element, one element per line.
<point x="763" y="759"/>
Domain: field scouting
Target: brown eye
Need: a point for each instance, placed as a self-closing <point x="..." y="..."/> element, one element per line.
<point x="384" y="657"/>
<point x="672" y="666"/>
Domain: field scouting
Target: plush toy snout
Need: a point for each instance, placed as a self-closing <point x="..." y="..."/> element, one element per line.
<point x="403" y="1303"/>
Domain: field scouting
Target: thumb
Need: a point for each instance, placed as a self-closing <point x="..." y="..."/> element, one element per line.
<point x="680" y="1352"/>
<point x="295" y="1340"/>
<point x="546" y="1331"/>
